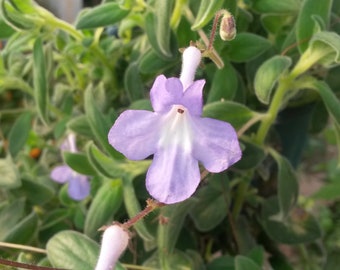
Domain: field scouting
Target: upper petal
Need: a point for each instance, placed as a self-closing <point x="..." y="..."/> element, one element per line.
<point x="193" y="98"/>
<point x="79" y="187"/>
<point x="61" y="174"/>
<point x="135" y="134"/>
<point x="216" y="144"/>
<point x="165" y="93"/>
<point x="173" y="175"/>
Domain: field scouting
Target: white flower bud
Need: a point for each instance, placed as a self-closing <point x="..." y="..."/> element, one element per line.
<point x="227" y="26"/>
<point x="115" y="241"/>
<point x="190" y="60"/>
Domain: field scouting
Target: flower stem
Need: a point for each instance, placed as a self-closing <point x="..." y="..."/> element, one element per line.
<point x="283" y="87"/>
<point x="150" y="206"/>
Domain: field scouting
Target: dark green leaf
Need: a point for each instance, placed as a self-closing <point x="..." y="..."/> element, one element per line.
<point x="247" y="46"/>
<point x="72" y="250"/>
<point x="40" y="80"/>
<point x="133" y="83"/>
<point x="104" y="206"/>
<point x="19" y="133"/>
<point x="224" y="84"/>
<point x="212" y="204"/>
<point x="206" y="12"/>
<point x="252" y="156"/>
<point x="37" y="191"/>
<point x="102" y="15"/>
<point x="244" y="263"/>
<point x="268" y="75"/>
<point x="306" y="20"/>
<point x="299" y="227"/>
<point x="79" y="163"/>
<point x="288" y="187"/>
<point x="275" y="7"/>
<point x="151" y="63"/>
<point x="5" y="30"/>
<point x="80" y="125"/>
<point x="23" y="231"/>
<point x="234" y="113"/>
<point x="10" y="215"/>
<point x="222" y="263"/>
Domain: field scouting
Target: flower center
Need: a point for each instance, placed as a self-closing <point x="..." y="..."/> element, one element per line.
<point x="176" y="130"/>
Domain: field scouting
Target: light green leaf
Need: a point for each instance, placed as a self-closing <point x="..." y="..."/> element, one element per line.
<point x="102" y="15"/>
<point x="79" y="163"/>
<point x="10" y="215"/>
<point x="72" y="250"/>
<point x="244" y="263"/>
<point x="267" y="76"/>
<point x="206" y="12"/>
<point x="41" y="95"/>
<point x="19" y="133"/>
<point x="306" y="20"/>
<point x="80" y="125"/>
<point x="10" y="177"/>
<point x="288" y="187"/>
<point x="247" y="46"/>
<point x="234" y="113"/>
<point x="104" y="206"/>
<point x="99" y="123"/>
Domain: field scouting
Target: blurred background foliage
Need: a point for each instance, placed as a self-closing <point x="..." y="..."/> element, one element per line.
<point x="278" y="208"/>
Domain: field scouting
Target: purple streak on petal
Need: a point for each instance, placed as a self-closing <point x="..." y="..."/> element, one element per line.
<point x="61" y="174"/>
<point x="79" y="187"/>
<point x="173" y="175"/>
<point x="165" y="93"/>
<point x="216" y="144"/>
<point x="135" y="134"/>
<point x="193" y="98"/>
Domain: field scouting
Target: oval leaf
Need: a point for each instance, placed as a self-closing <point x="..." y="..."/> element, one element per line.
<point x="267" y="76"/>
<point x="79" y="163"/>
<point x="247" y="46"/>
<point x="206" y="12"/>
<point x="102" y="15"/>
<point x="244" y="263"/>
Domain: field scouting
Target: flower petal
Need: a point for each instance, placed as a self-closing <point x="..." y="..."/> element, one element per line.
<point x="79" y="187"/>
<point x="135" y="134"/>
<point x="193" y="98"/>
<point x="61" y="174"/>
<point x="216" y="144"/>
<point x="173" y="175"/>
<point x="165" y="93"/>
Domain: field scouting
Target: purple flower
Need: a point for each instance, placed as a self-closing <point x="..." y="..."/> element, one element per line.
<point x="176" y="134"/>
<point x="78" y="184"/>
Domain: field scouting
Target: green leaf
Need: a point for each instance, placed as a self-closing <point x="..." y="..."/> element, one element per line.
<point x="79" y="163"/>
<point x="306" y="20"/>
<point x="206" y="12"/>
<point x="277" y="7"/>
<point x="80" y="125"/>
<point x="37" y="191"/>
<point x="288" y="187"/>
<point x="18" y="135"/>
<point x="329" y="191"/>
<point x="212" y="204"/>
<point x="252" y="156"/>
<point x="133" y="83"/>
<point x="10" y="215"/>
<point x="168" y="232"/>
<point x="247" y="46"/>
<point x="268" y="75"/>
<point x="112" y="168"/>
<point x="10" y="177"/>
<point x="175" y="260"/>
<point x="225" y="262"/>
<point x="104" y="206"/>
<point x="102" y="15"/>
<point x="330" y="100"/>
<point x="41" y="95"/>
<point x="234" y="113"/>
<point x="24" y="231"/>
<point x="297" y="228"/>
<point x="100" y="125"/>
<point x="151" y="63"/>
<point x="244" y="263"/>
<point x="72" y="250"/>
<point x="224" y="84"/>
<point x="5" y="30"/>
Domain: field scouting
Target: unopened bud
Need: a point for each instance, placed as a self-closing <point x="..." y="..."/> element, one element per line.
<point x="227" y="26"/>
<point x="114" y="243"/>
<point x="191" y="58"/>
